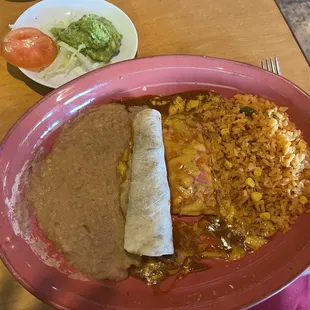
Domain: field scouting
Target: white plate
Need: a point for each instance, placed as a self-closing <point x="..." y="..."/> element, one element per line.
<point x="48" y="12"/>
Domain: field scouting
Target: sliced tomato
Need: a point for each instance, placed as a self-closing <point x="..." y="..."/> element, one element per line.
<point x="28" y="48"/>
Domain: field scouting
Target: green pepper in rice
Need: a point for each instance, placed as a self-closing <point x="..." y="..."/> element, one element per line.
<point x="247" y="111"/>
<point x="98" y="34"/>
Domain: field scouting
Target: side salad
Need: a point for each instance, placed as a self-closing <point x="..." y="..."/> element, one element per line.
<point x="69" y="47"/>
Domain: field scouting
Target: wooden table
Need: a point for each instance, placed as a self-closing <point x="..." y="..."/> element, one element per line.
<point x="240" y="30"/>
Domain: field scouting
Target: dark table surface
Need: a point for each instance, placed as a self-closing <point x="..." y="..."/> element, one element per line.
<point x="297" y="15"/>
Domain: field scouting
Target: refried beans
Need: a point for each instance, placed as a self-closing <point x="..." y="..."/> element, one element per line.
<point x="75" y="192"/>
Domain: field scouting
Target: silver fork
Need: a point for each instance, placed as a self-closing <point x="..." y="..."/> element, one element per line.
<point x="271" y="65"/>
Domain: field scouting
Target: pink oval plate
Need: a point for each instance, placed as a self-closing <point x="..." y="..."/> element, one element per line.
<point x="41" y="269"/>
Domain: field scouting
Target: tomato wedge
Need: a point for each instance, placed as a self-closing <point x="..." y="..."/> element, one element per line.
<point x="28" y="48"/>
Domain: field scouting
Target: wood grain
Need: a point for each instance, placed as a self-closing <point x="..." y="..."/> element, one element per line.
<point x="240" y="30"/>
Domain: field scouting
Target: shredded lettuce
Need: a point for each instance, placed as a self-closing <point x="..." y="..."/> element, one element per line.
<point x="60" y="24"/>
<point x="69" y="60"/>
<point x="75" y="53"/>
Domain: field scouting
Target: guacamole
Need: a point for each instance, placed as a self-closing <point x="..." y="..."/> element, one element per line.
<point x="98" y="34"/>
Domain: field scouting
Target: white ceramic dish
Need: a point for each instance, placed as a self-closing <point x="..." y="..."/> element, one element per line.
<point x="49" y="12"/>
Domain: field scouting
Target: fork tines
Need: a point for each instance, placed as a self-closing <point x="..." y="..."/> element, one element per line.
<point x="271" y="65"/>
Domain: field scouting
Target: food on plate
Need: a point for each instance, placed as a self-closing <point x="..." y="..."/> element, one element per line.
<point x="188" y="163"/>
<point x="261" y="173"/>
<point x="84" y="45"/>
<point x="28" y="48"/>
<point x="73" y="48"/>
<point x="196" y="240"/>
<point x="259" y="160"/>
<point x="261" y="164"/>
<point x="237" y="168"/>
<point x="148" y="229"/>
<point x="74" y="192"/>
<point x="98" y="36"/>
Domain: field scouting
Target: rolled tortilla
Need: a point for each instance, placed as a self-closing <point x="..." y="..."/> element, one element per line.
<point x="148" y="229"/>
